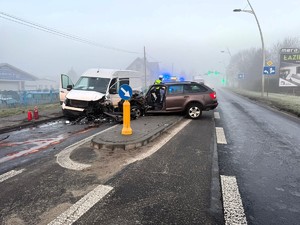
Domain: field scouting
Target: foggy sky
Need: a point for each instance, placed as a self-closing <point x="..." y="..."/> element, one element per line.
<point x="190" y="34"/>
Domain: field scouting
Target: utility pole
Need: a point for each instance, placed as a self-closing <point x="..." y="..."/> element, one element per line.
<point x="172" y="69"/>
<point x="145" y="67"/>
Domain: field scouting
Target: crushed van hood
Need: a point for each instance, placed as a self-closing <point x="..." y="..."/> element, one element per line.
<point x="84" y="95"/>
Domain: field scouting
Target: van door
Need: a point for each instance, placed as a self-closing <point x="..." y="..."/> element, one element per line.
<point x="115" y="98"/>
<point x="64" y="82"/>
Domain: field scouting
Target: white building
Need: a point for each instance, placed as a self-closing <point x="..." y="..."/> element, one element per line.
<point x="15" y="79"/>
<point x="152" y="69"/>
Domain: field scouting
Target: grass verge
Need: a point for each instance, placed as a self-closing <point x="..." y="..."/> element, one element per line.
<point x="287" y="103"/>
<point x="4" y="112"/>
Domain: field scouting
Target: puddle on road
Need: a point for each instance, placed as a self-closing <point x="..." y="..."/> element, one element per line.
<point x="51" y="124"/>
<point x="35" y="145"/>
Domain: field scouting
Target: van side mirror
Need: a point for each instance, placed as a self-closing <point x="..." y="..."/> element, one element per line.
<point x="113" y="90"/>
<point x="69" y="87"/>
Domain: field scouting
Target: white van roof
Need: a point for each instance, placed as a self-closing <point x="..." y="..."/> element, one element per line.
<point x="107" y="73"/>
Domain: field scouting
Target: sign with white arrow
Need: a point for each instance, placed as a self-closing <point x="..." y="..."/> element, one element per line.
<point x="125" y="92"/>
<point x="269" y="70"/>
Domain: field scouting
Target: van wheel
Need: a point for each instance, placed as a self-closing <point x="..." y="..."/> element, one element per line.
<point x="194" y="111"/>
<point x="137" y="111"/>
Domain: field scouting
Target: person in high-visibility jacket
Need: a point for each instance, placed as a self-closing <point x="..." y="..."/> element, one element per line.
<point x="159" y="80"/>
<point x="157" y="90"/>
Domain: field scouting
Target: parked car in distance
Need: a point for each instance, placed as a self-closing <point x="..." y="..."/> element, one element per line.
<point x="8" y="100"/>
<point x="189" y="97"/>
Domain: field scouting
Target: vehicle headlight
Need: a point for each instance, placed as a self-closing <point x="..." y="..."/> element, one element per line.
<point x="65" y="101"/>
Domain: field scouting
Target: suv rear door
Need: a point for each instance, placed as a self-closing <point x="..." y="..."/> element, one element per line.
<point x="175" y="98"/>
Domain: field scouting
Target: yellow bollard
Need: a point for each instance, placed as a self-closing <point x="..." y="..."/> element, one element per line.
<point x="126" y="119"/>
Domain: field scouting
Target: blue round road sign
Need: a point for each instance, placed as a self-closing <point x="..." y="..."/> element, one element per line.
<point x="125" y="92"/>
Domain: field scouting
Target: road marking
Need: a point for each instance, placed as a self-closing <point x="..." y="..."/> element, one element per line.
<point x="221" y="139"/>
<point x="82" y="206"/>
<point x="38" y="145"/>
<point x="159" y="144"/>
<point x="217" y="115"/>
<point x="233" y="207"/>
<point x="63" y="158"/>
<point x="10" y="174"/>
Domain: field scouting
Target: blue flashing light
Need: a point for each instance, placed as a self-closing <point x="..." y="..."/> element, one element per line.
<point x="166" y="76"/>
<point x="181" y="79"/>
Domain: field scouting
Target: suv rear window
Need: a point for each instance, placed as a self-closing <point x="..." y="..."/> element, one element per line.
<point x="194" y="88"/>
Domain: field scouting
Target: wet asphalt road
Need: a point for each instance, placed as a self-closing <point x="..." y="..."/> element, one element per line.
<point x="43" y="189"/>
<point x="173" y="186"/>
<point x="19" y="148"/>
<point x="263" y="152"/>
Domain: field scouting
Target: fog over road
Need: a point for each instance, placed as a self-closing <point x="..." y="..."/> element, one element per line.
<point x="263" y="153"/>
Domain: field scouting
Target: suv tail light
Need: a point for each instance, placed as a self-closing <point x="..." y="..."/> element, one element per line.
<point x="213" y="95"/>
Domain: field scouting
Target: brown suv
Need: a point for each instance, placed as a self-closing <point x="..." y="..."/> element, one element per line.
<point x="189" y="97"/>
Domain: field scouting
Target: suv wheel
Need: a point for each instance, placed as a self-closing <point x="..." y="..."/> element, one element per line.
<point x="194" y="111"/>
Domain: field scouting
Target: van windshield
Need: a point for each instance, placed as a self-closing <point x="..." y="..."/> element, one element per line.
<point x="98" y="84"/>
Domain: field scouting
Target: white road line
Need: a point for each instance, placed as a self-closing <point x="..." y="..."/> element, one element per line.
<point x="82" y="206"/>
<point x="221" y="139"/>
<point x="217" y="115"/>
<point x="159" y="144"/>
<point x="232" y="202"/>
<point x="10" y="174"/>
<point x="63" y="158"/>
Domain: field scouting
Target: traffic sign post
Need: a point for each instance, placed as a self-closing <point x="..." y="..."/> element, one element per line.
<point x="269" y="70"/>
<point x="125" y="92"/>
<point x="269" y="63"/>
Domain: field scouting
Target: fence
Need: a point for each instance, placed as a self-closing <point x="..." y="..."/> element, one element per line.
<point x="9" y="99"/>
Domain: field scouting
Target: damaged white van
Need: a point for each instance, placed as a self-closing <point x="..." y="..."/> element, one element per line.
<point x="93" y="85"/>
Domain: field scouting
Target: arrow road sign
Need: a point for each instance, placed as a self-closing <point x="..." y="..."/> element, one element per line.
<point x="125" y="92"/>
<point x="269" y="63"/>
<point x="269" y="70"/>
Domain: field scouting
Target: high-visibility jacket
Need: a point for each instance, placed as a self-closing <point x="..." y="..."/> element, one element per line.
<point x="158" y="81"/>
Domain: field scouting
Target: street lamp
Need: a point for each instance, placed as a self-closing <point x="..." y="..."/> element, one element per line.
<point x="228" y="52"/>
<point x="262" y="44"/>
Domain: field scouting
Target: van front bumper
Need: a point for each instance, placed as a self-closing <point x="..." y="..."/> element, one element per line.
<point x="72" y="111"/>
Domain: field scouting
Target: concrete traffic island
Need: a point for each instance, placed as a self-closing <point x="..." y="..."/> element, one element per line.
<point x="145" y="130"/>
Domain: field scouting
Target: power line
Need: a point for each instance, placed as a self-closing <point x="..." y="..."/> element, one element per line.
<point x="59" y="33"/>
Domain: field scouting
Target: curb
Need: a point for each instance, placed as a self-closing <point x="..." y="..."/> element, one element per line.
<point x="27" y="124"/>
<point x="132" y="144"/>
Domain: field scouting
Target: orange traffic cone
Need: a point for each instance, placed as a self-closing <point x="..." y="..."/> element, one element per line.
<point x="35" y="113"/>
<point x="29" y="115"/>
